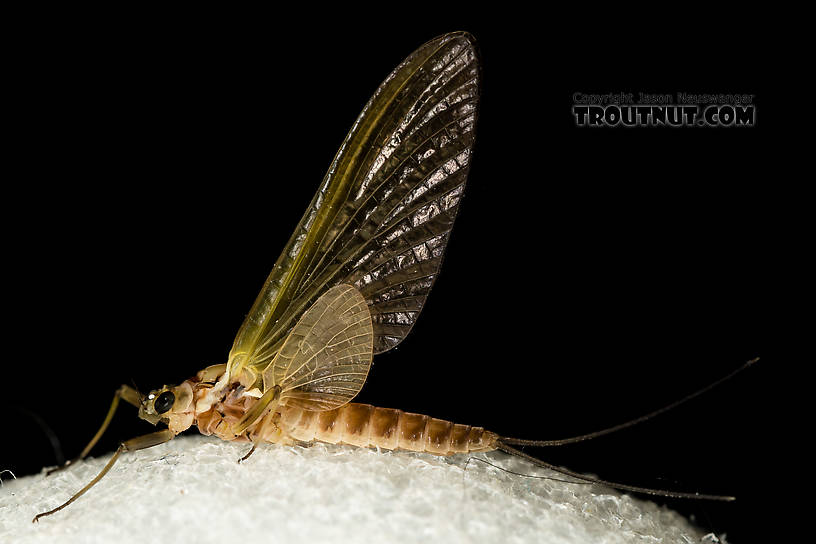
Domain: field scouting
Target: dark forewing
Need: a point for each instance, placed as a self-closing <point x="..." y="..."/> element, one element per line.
<point x="382" y="215"/>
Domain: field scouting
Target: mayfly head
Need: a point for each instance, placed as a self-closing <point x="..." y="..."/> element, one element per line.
<point x="171" y="405"/>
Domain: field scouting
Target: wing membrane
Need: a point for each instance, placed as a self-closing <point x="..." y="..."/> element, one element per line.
<point x="325" y="359"/>
<point x="381" y="218"/>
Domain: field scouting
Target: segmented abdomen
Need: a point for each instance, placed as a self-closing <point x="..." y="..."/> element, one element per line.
<point x="365" y="425"/>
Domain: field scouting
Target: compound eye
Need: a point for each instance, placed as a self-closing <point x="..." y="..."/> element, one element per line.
<point x="164" y="402"/>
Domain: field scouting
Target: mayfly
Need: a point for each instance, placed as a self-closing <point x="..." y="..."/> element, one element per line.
<point x="350" y="284"/>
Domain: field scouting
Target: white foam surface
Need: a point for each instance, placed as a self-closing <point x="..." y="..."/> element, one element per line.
<point x="193" y="490"/>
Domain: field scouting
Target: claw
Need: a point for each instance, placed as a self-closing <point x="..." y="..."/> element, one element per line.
<point x="57" y="469"/>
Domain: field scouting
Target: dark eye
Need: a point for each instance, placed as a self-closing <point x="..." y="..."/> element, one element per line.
<point x="164" y="402"/>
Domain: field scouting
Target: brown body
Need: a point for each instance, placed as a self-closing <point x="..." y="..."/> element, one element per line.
<point x="355" y="424"/>
<point x="368" y="427"/>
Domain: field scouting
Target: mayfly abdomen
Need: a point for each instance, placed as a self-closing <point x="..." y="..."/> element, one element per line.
<point x="367" y="426"/>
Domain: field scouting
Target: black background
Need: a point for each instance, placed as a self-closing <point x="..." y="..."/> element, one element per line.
<point x="157" y="167"/>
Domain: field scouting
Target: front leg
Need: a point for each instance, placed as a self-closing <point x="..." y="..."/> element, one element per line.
<point x="134" y="444"/>
<point x="125" y="392"/>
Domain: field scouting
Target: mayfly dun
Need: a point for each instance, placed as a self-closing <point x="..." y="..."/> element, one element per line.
<point x="350" y="284"/>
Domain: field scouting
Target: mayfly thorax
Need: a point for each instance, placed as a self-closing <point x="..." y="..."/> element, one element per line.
<point x="350" y="284"/>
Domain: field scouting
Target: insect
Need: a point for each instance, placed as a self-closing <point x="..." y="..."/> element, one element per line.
<point x="350" y="284"/>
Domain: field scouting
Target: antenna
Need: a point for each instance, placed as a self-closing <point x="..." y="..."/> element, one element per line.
<point x="141" y="397"/>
